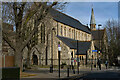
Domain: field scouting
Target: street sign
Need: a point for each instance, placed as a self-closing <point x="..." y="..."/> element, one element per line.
<point x="59" y="48"/>
<point x="94" y="50"/>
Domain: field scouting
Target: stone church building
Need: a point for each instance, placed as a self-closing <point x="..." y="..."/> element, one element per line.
<point x="68" y="31"/>
<point x="72" y="36"/>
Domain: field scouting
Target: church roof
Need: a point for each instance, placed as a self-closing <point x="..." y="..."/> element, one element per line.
<point x="98" y="34"/>
<point x="67" y="41"/>
<point x="83" y="46"/>
<point x="92" y="20"/>
<point x="67" y="20"/>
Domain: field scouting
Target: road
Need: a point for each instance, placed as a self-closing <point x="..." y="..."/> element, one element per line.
<point x="102" y="75"/>
<point x="109" y="74"/>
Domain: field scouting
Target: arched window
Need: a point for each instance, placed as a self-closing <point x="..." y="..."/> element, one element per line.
<point x="79" y="35"/>
<point x="76" y="35"/>
<point x="72" y="33"/>
<point x="42" y="34"/>
<point x="85" y="37"/>
<point x="61" y="30"/>
<point x="69" y="32"/>
<point x="88" y="38"/>
<point x="82" y="36"/>
<point x="80" y="57"/>
<point x="64" y="31"/>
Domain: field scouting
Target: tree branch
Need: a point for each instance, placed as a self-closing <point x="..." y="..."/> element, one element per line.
<point x="11" y="44"/>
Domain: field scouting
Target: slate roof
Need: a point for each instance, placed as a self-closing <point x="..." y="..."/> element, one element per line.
<point x="67" y="41"/>
<point x="67" y="20"/>
<point x="82" y="45"/>
<point x="98" y="34"/>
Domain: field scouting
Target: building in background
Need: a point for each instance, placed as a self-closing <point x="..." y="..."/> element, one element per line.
<point x="99" y="37"/>
<point x="7" y="51"/>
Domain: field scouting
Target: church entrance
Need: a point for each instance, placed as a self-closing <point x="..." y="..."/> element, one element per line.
<point x="35" y="59"/>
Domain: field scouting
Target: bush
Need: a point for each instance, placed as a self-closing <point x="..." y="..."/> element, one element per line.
<point x="12" y="73"/>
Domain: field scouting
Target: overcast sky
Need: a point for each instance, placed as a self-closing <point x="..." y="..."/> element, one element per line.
<point x="102" y="11"/>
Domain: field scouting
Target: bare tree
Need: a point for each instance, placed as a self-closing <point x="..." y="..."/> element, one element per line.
<point x="19" y="14"/>
<point x="113" y="33"/>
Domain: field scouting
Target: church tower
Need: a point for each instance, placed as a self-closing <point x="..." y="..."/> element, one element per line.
<point x="92" y="21"/>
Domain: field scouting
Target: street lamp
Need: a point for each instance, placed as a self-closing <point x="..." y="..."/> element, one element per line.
<point x="59" y="50"/>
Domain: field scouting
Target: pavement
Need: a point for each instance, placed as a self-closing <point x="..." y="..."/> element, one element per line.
<point x="44" y="73"/>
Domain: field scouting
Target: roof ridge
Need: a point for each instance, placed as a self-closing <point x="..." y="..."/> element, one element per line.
<point x="68" y="20"/>
<point x="67" y="15"/>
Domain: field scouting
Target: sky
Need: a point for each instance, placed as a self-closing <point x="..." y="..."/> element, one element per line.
<point x="103" y="11"/>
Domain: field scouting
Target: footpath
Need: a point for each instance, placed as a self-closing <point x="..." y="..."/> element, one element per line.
<point x="44" y="73"/>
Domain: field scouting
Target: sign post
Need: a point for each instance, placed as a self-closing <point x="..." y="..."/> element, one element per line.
<point x="59" y="49"/>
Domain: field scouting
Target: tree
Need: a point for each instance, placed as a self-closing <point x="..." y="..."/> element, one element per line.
<point x="19" y="14"/>
<point x="113" y="33"/>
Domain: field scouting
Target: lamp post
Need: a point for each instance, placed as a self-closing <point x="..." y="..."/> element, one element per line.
<point x="59" y="50"/>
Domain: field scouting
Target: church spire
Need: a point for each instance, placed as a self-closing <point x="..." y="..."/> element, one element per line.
<point x="92" y="21"/>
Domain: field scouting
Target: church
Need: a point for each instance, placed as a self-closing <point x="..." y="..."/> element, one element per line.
<point x="77" y="41"/>
<point x="72" y="36"/>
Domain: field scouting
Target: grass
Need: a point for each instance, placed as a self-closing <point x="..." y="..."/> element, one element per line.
<point x="23" y="74"/>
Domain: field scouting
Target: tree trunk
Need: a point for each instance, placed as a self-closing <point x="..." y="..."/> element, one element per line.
<point x="28" y="57"/>
<point x="18" y="59"/>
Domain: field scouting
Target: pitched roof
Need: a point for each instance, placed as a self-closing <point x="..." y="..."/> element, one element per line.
<point x="67" y="41"/>
<point x="98" y="34"/>
<point x="83" y="46"/>
<point x="67" y="20"/>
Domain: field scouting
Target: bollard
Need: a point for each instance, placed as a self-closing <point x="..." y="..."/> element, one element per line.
<point x="51" y="68"/>
<point x="91" y="66"/>
<point x="73" y="70"/>
<point x="78" y="67"/>
<point x="68" y="72"/>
